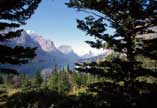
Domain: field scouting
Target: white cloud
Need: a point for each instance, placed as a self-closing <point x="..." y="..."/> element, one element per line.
<point x="86" y="49"/>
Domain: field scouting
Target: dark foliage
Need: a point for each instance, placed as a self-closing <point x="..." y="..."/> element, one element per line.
<point x="3" y="97"/>
<point x="47" y="99"/>
<point x="34" y="99"/>
<point x="13" y="14"/>
<point x="130" y="19"/>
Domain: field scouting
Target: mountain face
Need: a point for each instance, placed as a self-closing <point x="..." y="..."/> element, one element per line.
<point x="68" y="51"/>
<point x="99" y="57"/>
<point x="46" y="45"/>
<point x="88" y="55"/>
<point x="47" y="54"/>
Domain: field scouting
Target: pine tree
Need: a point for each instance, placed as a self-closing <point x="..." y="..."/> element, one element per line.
<point x="13" y="14"/>
<point x="122" y="87"/>
<point x="1" y="80"/>
<point x="38" y="79"/>
<point x="150" y="50"/>
<point x="54" y="82"/>
<point x="65" y="82"/>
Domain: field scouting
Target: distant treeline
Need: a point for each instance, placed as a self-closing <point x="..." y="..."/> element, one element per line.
<point x="62" y="81"/>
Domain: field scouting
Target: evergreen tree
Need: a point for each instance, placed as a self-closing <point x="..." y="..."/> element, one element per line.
<point x="13" y="14"/>
<point x="150" y="51"/>
<point x="38" y="79"/>
<point x="64" y="81"/>
<point x="53" y="82"/>
<point x="69" y="74"/>
<point x="1" y="80"/>
<point x="27" y="85"/>
<point x="128" y="18"/>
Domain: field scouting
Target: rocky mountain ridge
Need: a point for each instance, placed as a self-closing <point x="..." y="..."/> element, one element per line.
<point x="47" y="54"/>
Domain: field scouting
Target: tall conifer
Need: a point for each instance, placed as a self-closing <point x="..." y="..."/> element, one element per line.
<point x="126" y="84"/>
<point x="13" y="14"/>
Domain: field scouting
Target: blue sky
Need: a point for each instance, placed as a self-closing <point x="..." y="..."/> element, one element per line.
<point x="54" y="21"/>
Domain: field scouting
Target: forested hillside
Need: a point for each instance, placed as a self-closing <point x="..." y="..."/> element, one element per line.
<point x="125" y="76"/>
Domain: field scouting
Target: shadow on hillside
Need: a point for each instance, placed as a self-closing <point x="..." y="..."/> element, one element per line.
<point x="48" y="99"/>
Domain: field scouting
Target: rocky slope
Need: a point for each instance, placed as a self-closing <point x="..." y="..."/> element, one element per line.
<point x="47" y="54"/>
<point x="68" y="51"/>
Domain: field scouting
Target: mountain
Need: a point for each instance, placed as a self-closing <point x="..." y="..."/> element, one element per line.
<point x="68" y="51"/>
<point x="47" y="54"/>
<point x="90" y="54"/>
<point x="99" y="57"/>
<point x="46" y="45"/>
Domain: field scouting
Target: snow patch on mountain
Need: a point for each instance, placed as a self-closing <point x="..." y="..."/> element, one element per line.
<point x="65" y="49"/>
<point x="88" y="55"/>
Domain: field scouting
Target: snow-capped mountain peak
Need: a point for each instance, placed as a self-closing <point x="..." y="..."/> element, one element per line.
<point x="65" y="49"/>
<point x="88" y="55"/>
